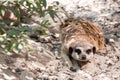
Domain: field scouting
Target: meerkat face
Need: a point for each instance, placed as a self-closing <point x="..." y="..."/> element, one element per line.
<point x="82" y="52"/>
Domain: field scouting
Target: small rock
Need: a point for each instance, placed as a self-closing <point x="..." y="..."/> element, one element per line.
<point x="109" y="62"/>
<point x="111" y="40"/>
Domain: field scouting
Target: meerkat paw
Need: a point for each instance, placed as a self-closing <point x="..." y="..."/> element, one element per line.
<point x="73" y="69"/>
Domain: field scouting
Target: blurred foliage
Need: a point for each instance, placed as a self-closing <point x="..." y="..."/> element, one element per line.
<point x="13" y="13"/>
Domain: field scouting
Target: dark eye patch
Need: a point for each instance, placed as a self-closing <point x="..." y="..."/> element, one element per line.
<point x="88" y="51"/>
<point x="78" y="51"/>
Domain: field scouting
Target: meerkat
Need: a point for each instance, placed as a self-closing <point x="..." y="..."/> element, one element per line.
<point x="80" y="39"/>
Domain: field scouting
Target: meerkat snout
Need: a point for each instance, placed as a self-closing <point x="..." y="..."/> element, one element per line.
<point x="83" y="57"/>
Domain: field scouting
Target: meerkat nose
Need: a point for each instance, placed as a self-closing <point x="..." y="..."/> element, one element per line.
<point x="83" y="57"/>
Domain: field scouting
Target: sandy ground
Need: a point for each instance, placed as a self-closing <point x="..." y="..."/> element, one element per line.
<point x="44" y="62"/>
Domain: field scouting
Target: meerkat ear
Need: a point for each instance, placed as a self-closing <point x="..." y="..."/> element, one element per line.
<point x="94" y="49"/>
<point x="70" y="50"/>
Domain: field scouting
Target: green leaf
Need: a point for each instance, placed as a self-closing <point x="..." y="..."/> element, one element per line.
<point x="44" y="32"/>
<point x="45" y="23"/>
<point x="9" y="46"/>
<point x="3" y="12"/>
<point x="28" y="4"/>
<point x="1" y="39"/>
<point x="26" y="56"/>
<point x="64" y="12"/>
<point x="13" y="33"/>
<point x="39" y="9"/>
<point x="19" y="46"/>
<point x="44" y="3"/>
<point x="52" y="14"/>
<point x="22" y="1"/>
<point x="5" y="2"/>
<point x="39" y="1"/>
<point x="24" y="29"/>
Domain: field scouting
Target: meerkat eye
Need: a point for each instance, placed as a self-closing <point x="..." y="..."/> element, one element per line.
<point x="78" y="51"/>
<point x="88" y="51"/>
<point x="94" y="49"/>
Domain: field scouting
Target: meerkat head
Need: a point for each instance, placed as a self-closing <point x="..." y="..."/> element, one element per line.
<point x="82" y="51"/>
